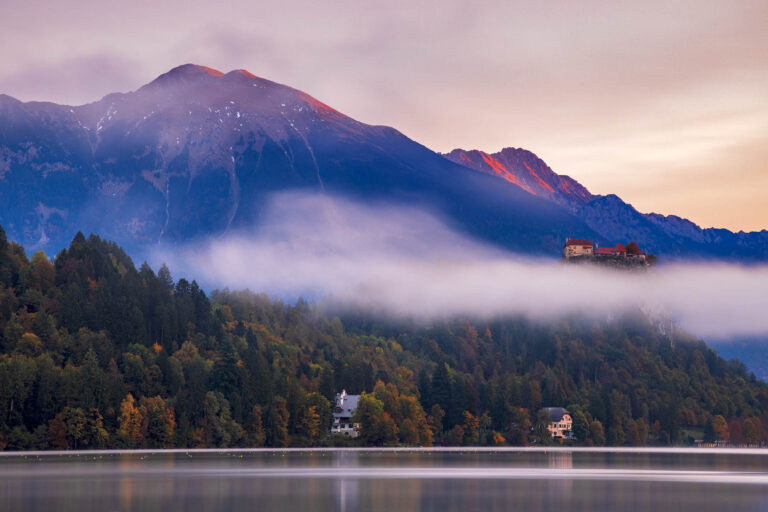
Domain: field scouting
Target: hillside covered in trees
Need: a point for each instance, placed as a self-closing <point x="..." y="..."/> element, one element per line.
<point x="95" y="353"/>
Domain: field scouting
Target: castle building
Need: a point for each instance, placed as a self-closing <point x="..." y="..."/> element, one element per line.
<point x="579" y="250"/>
<point x="575" y="247"/>
<point x="618" y="250"/>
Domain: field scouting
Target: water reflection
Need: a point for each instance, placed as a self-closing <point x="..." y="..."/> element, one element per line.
<point x="563" y="489"/>
<point x="346" y="489"/>
<point x="372" y="480"/>
<point x="127" y="484"/>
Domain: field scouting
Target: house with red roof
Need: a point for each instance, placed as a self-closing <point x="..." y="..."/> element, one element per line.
<point x="577" y="248"/>
<point x="580" y="250"/>
<point x="618" y="251"/>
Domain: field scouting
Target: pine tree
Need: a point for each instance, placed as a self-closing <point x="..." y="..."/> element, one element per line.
<point x="164" y="278"/>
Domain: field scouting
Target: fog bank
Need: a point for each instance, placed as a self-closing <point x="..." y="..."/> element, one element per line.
<point x="408" y="262"/>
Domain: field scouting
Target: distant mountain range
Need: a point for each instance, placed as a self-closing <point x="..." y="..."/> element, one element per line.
<point x="611" y="217"/>
<point x="197" y="152"/>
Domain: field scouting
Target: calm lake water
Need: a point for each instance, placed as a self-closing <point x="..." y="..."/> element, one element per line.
<point x="387" y="480"/>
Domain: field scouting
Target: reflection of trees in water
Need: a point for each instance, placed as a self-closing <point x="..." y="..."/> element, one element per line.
<point x="127" y="462"/>
<point x="388" y="494"/>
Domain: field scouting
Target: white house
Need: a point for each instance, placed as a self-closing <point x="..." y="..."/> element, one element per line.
<point x="343" y="412"/>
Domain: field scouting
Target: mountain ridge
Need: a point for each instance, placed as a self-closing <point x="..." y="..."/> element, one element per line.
<point x="196" y="152"/>
<point x="611" y="216"/>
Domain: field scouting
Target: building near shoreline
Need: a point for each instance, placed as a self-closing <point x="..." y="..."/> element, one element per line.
<point x="344" y="413"/>
<point x="560" y="423"/>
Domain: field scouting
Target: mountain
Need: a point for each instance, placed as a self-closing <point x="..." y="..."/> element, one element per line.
<point x="526" y="170"/>
<point x="196" y="153"/>
<point x="613" y="219"/>
<point x="749" y="350"/>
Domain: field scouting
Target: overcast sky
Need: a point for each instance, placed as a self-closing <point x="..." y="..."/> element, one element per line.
<point x="663" y="103"/>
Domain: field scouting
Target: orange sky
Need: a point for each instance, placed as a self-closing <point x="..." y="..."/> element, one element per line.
<point x="663" y="103"/>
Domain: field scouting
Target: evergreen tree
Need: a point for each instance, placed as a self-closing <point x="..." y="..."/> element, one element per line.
<point x="580" y="427"/>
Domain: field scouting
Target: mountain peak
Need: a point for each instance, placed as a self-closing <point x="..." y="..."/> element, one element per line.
<point x="526" y="170"/>
<point x="242" y="72"/>
<point x="185" y="74"/>
<point x="190" y="70"/>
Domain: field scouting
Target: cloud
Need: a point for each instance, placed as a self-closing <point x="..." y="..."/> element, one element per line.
<point x="91" y="76"/>
<point x="405" y="261"/>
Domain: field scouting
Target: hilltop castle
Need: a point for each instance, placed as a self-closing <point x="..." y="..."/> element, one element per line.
<point x="580" y="250"/>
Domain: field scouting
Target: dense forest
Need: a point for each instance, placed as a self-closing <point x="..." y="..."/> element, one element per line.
<point x="95" y="353"/>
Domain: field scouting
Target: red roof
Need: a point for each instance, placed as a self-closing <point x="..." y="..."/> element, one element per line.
<point x="611" y="250"/>
<point x="578" y="241"/>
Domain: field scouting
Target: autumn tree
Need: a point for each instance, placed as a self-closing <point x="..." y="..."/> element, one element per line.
<point x="158" y="422"/>
<point x="752" y="430"/>
<point x="735" y="432"/>
<point x="323" y="410"/>
<point x="720" y="428"/>
<point x="57" y="432"/>
<point x="471" y="426"/>
<point x="310" y="425"/>
<point x="596" y="433"/>
<point x="376" y="426"/>
<point x="130" y="422"/>
<point x="256" y="435"/>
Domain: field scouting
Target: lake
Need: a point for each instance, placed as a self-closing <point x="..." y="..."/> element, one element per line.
<point x="388" y="479"/>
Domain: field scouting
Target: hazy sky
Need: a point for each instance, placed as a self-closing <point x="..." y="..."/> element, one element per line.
<point x="664" y="103"/>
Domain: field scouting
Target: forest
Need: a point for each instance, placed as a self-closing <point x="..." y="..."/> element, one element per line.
<point x="96" y="353"/>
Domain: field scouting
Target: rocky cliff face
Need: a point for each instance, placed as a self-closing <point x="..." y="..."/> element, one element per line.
<point x="527" y="171"/>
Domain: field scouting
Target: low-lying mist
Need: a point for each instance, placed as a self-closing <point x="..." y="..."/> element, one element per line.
<point x="406" y="261"/>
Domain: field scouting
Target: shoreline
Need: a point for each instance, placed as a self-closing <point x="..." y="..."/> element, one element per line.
<point x="403" y="449"/>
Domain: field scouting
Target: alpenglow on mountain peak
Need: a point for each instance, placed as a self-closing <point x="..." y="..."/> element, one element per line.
<point x="205" y="84"/>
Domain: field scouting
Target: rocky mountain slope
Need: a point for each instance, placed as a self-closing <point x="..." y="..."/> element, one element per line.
<point x="196" y="152"/>
<point x="611" y="217"/>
